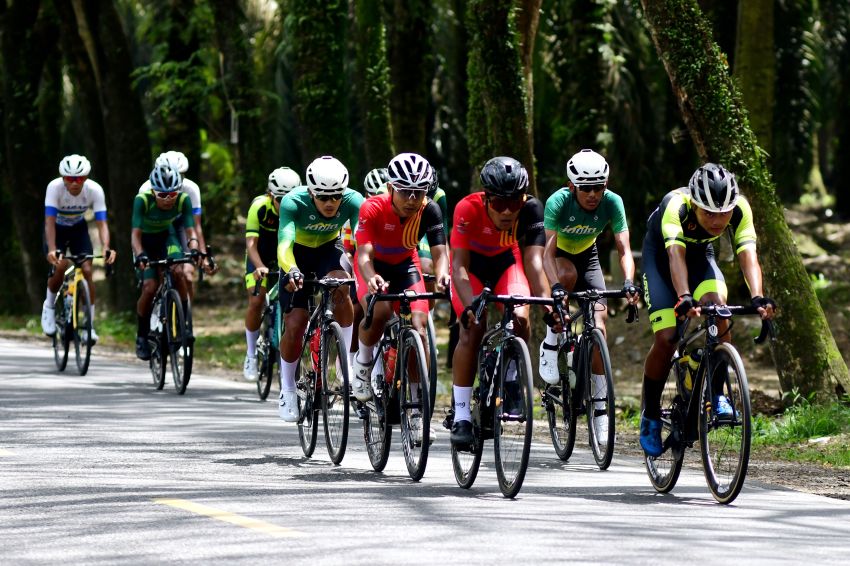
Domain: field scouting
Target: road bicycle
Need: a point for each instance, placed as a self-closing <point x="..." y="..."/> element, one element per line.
<point x="501" y="403"/>
<point x="580" y="346"/>
<point x="72" y="312"/>
<point x="698" y="375"/>
<point x="322" y="382"/>
<point x="268" y="342"/>
<point x="401" y="387"/>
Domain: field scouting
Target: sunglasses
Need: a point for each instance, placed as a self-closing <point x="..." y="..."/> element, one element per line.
<point x="591" y="188"/>
<point x="500" y="204"/>
<point x="411" y="194"/>
<point x="166" y="196"/>
<point x="78" y="179"/>
<point x="326" y="198"/>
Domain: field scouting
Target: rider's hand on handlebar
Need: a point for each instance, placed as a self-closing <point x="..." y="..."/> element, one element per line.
<point x="260" y="273"/>
<point x="687" y="306"/>
<point x="294" y="280"/>
<point x="558" y="292"/>
<point x="141" y="261"/>
<point x="442" y="283"/>
<point x="632" y="295"/>
<point x="467" y="317"/>
<point x="109" y="256"/>
<point x="377" y="284"/>
<point x="53" y="257"/>
<point x="765" y="306"/>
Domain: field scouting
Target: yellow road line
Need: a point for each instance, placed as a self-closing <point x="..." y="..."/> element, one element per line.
<point x="5" y="452"/>
<point x="228" y="517"/>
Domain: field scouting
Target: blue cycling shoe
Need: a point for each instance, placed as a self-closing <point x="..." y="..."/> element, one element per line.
<point x="650" y="436"/>
<point x="723" y="409"/>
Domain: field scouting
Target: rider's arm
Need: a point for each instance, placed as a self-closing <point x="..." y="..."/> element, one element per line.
<point x="252" y="233"/>
<point x="136" y="241"/>
<point x="751" y="269"/>
<point x="460" y="275"/>
<point x="549" y="264"/>
<point x="532" y="226"/>
<point x="624" y="248"/>
<point x="286" y="235"/>
<point x="532" y="259"/>
<point x="138" y="218"/>
<point x="51" y="211"/>
<point x="678" y="270"/>
<point x="103" y="232"/>
<point x="673" y="235"/>
<point x="433" y="226"/>
<point x="364" y="260"/>
<point x="620" y="227"/>
<point x="194" y="193"/>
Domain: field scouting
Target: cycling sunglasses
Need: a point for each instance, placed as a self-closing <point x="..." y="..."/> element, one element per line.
<point x="326" y="198"/>
<point x="166" y="196"/>
<point x="591" y="188"/>
<point x="500" y="204"/>
<point x="76" y="179"/>
<point x="411" y="194"/>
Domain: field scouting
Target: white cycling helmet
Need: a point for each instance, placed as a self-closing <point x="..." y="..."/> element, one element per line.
<point x="587" y="168"/>
<point x="282" y="180"/>
<point x="165" y="178"/>
<point x="74" y="166"/>
<point x="713" y="188"/>
<point x="178" y="159"/>
<point x="410" y="171"/>
<point x="375" y="179"/>
<point x="326" y="175"/>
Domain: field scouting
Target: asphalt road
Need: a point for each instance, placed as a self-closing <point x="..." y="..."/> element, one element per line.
<point x="103" y="469"/>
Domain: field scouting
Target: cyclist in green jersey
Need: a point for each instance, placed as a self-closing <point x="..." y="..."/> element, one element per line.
<point x="261" y="256"/>
<point x="311" y="218"/>
<point x="153" y="238"/>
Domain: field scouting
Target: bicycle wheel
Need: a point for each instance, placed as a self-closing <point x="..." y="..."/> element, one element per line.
<point x="599" y="400"/>
<point x="82" y="327"/>
<point x="308" y="408"/>
<point x="335" y="400"/>
<point x="560" y="410"/>
<point x="466" y="463"/>
<point x="432" y="358"/>
<point x="266" y="357"/>
<point x="377" y="430"/>
<point x="61" y="338"/>
<point x="512" y="417"/>
<point x="179" y="349"/>
<point x="414" y="404"/>
<point x="725" y="442"/>
<point x="159" y="358"/>
<point x="663" y="470"/>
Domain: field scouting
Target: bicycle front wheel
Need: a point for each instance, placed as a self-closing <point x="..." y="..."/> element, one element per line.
<point x="599" y="400"/>
<point x="266" y="357"/>
<point x="663" y="470"/>
<point x="560" y="410"/>
<point x="335" y="400"/>
<point x="82" y="327"/>
<point x="414" y="404"/>
<point x="179" y="349"/>
<point x="432" y="359"/>
<point x="308" y="407"/>
<point x="512" y="417"/>
<point x="377" y="430"/>
<point x="725" y="439"/>
<point x="467" y="460"/>
<point x="61" y="338"/>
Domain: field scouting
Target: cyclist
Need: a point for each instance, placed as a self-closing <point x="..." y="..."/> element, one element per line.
<point x="680" y="273"/>
<point x="179" y="161"/>
<point x="261" y="255"/>
<point x="153" y="238"/>
<point x="487" y="229"/>
<point x="574" y="218"/>
<point x="438" y="195"/>
<point x="375" y="182"/>
<point x="388" y="235"/>
<point x="311" y="218"/>
<point x="67" y="199"/>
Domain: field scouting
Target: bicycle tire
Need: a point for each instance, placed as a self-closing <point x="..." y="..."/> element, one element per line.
<point x="308" y="408"/>
<point x="560" y="409"/>
<point x="414" y="403"/>
<point x="664" y="470"/>
<point x="267" y="357"/>
<point x="432" y="358"/>
<point x="61" y="343"/>
<point x="466" y="463"/>
<point x="377" y="430"/>
<point x="512" y="430"/>
<point x="335" y="401"/>
<point x="725" y="445"/>
<point x="598" y="415"/>
<point x="82" y="328"/>
<point x="179" y="349"/>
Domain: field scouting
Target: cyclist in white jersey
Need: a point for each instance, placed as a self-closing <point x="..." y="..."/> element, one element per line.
<point x="65" y="228"/>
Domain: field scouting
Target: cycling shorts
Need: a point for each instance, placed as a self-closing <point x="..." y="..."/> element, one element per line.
<point x="502" y="272"/>
<point x="268" y="254"/>
<point x="159" y="245"/>
<point x="74" y="238"/>
<point x="588" y="269"/>
<point x="404" y="275"/>
<point x="704" y="276"/>
<point x="312" y="262"/>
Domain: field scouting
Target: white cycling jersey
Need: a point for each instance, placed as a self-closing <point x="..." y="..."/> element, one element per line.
<point x="69" y="209"/>
<point x="190" y="187"/>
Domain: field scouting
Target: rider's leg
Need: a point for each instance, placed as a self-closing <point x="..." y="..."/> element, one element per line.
<point x="144" y="306"/>
<point x="343" y="309"/>
<point x="464" y="362"/>
<point x="295" y="323"/>
<point x="253" y="317"/>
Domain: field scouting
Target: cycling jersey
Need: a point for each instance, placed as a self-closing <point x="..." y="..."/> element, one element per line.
<point x="301" y="223"/>
<point x="69" y="209"/>
<point x="148" y="217"/>
<point x="394" y="238"/>
<point x="578" y="228"/>
<point x="262" y="223"/>
<point x="474" y="231"/>
<point x="189" y="187"/>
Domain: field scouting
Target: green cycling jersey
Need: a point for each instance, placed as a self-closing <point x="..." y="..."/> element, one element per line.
<point x="578" y="228"/>
<point x="151" y="219"/>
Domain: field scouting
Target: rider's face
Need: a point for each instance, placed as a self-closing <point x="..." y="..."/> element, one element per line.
<point x="589" y="196"/>
<point x="328" y="208"/>
<point x="713" y="222"/>
<point x="407" y="201"/>
<point x="74" y="184"/>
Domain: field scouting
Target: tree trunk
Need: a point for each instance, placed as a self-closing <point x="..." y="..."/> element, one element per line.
<point x="315" y="39"/>
<point x="528" y="20"/>
<point x="24" y="46"/>
<point x="127" y="143"/>
<point x="498" y="122"/>
<point x="755" y="66"/>
<point x="837" y="12"/>
<point x="373" y="83"/>
<point x="805" y="353"/>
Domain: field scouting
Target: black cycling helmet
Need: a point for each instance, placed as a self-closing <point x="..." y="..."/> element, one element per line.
<point x="435" y="183"/>
<point x="713" y="188"/>
<point x="504" y="177"/>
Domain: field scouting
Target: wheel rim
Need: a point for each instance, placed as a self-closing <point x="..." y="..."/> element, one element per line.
<point x="307" y="408"/>
<point x="414" y="405"/>
<point x="335" y="402"/>
<point x="600" y="403"/>
<point x="512" y="429"/>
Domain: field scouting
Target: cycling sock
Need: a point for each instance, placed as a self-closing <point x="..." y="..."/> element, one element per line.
<point x="652" y="390"/>
<point x="50" y="298"/>
<point x="363" y="352"/>
<point x="347" y="334"/>
<point x="144" y="325"/>
<point x="551" y="337"/>
<point x="462" y="397"/>
<point x="599" y="389"/>
<point x="287" y="375"/>
<point x="251" y="337"/>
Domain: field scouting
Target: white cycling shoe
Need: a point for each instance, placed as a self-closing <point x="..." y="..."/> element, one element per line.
<point x="249" y="368"/>
<point x="549" y="363"/>
<point x="360" y="385"/>
<point x="288" y="406"/>
<point x="48" y="320"/>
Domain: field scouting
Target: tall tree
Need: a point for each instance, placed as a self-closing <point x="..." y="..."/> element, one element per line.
<point x="755" y="66"/>
<point x="498" y="122"/>
<point x="836" y="18"/>
<point x="806" y="355"/>
<point x="528" y="20"/>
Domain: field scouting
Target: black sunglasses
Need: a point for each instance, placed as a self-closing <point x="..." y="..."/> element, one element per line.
<point x="591" y="188"/>
<point x="326" y="198"/>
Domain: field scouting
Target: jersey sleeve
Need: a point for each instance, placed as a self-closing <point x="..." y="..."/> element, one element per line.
<point x="432" y="225"/>
<point x="51" y="199"/>
<point x="286" y="233"/>
<point x="194" y="192"/>
<point x="671" y="222"/>
<point x="138" y="211"/>
<point x="745" y="231"/>
<point x="532" y="223"/>
<point x="368" y="230"/>
<point x="252" y="223"/>
<point x="617" y="213"/>
<point x="98" y="200"/>
<point x="552" y="212"/>
<point x="462" y="224"/>
<point x="443" y="202"/>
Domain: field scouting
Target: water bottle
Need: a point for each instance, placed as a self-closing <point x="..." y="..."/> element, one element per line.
<point x="315" y="341"/>
<point x="389" y="359"/>
<point x="155" y="323"/>
<point x="693" y="361"/>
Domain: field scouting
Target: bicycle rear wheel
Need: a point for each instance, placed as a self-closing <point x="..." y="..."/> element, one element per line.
<point x="61" y="338"/>
<point x="599" y="400"/>
<point x="377" y="430"/>
<point x="512" y="417"/>
<point x="414" y="404"/>
<point x="725" y="442"/>
<point x="335" y="402"/>
<point x="560" y="410"/>
<point x="266" y="357"/>
<point x="432" y="358"/>
<point x="308" y="406"/>
<point x="82" y="327"/>
<point x="179" y="348"/>
<point x="663" y="470"/>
